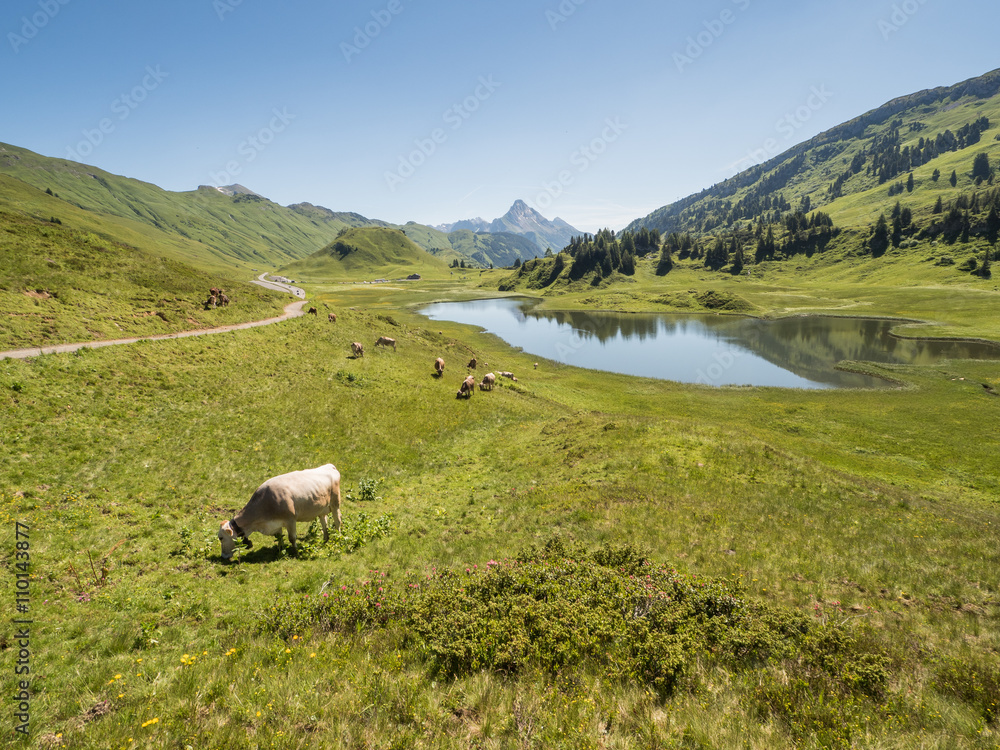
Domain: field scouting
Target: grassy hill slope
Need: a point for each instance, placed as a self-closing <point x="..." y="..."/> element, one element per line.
<point x="366" y="253"/>
<point x="61" y="283"/>
<point x="835" y="552"/>
<point x="204" y="227"/>
<point x="864" y="156"/>
<point x="914" y="181"/>
<point x="481" y="249"/>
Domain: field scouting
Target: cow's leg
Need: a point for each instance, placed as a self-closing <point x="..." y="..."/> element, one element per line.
<point x="291" y="536"/>
<point x="326" y="531"/>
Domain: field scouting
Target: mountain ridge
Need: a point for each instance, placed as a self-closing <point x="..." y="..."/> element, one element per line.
<point x="523" y="220"/>
<point x="832" y="143"/>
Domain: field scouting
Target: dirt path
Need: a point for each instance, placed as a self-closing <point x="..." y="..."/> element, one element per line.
<point x="292" y="310"/>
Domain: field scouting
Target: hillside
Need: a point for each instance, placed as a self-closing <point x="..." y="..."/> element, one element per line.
<point x="366" y="253"/>
<point x="859" y="170"/>
<point x="476" y="248"/>
<point x="204" y="227"/>
<point x="523" y="220"/>
<point x="61" y="283"/>
<point x="914" y="178"/>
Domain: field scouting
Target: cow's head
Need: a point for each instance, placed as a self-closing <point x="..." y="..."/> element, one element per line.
<point x="228" y="534"/>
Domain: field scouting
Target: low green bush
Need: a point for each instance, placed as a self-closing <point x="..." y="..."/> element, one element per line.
<point x="610" y="609"/>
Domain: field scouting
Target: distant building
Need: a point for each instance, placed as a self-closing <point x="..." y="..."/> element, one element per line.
<point x="413" y="277"/>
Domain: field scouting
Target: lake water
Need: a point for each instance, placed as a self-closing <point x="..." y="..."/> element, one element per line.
<point x="798" y="352"/>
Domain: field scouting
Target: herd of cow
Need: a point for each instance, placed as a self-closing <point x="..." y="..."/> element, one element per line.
<point x="284" y="500"/>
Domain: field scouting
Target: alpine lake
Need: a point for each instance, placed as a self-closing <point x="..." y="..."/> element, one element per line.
<point x="715" y="350"/>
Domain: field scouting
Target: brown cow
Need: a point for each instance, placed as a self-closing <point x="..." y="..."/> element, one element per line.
<point x="332" y="317"/>
<point x="281" y="502"/>
<point x="223" y="299"/>
<point x="467" y="388"/>
<point x="210" y="302"/>
<point x="359" y="351"/>
<point x="473" y="363"/>
<point x="313" y="311"/>
<point x="488" y="380"/>
<point x="386" y="341"/>
<point x="439" y="367"/>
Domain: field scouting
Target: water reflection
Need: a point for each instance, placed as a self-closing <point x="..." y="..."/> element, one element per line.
<point x="714" y="350"/>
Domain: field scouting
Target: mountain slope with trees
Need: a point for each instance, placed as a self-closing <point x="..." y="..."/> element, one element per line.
<point x="204" y="226"/>
<point x="916" y="176"/>
<point x="366" y="253"/>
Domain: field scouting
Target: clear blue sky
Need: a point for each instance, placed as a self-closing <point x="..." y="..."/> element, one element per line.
<point x="591" y="110"/>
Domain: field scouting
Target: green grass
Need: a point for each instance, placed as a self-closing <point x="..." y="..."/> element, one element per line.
<point x="62" y="285"/>
<point x="200" y="227"/>
<point x="871" y="515"/>
<point x="365" y="254"/>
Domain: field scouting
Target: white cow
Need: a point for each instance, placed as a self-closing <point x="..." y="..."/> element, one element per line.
<point x="281" y="502"/>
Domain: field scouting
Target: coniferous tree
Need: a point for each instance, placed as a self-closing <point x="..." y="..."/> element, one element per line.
<point x="666" y="263"/>
<point x="909" y="183"/>
<point x="897" y="232"/>
<point x="981" y="167"/>
<point x="716" y="256"/>
<point x="993" y="224"/>
<point x="954" y="178"/>
<point x="737" y="266"/>
<point x="938" y="206"/>
<point x="936" y="175"/>
<point x="878" y="243"/>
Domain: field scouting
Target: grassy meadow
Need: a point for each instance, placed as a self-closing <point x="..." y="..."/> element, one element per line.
<point x="577" y="559"/>
<point x="63" y="284"/>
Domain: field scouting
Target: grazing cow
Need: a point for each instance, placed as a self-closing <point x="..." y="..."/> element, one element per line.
<point x="223" y="299"/>
<point x="313" y="311"/>
<point x="508" y="375"/>
<point x="488" y="380"/>
<point x="210" y="302"/>
<point x="439" y="366"/>
<point x="281" y="502"/>
<point x="332" y="317"/>
<point x="359" y="351"/>
<point x="536" y="365"/>
<point x="386" y="341"/>
<point x="473" y="363"/>
<point x="467" y="388"/>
